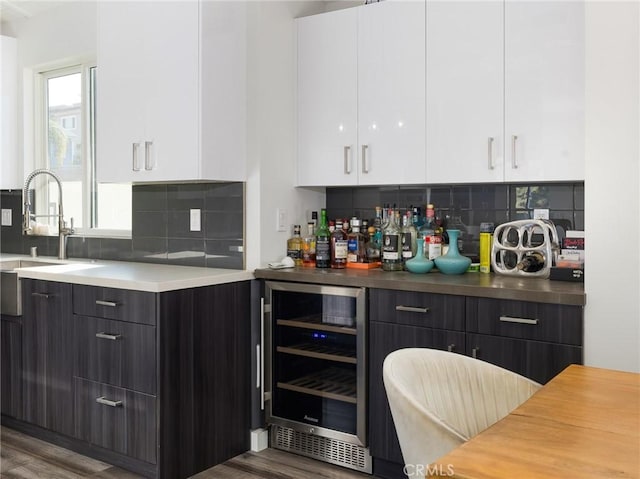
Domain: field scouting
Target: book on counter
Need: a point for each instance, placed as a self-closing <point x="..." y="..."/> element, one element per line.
<point x="570" y="262"/>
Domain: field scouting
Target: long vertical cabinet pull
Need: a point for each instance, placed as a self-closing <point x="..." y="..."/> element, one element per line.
<point x="260" y="356"/>
<point x="365" y="159"/>
<point x="490" y="153"/>
<point x="134" y="157"/>
<point x="148" y="156"/>
<point x="514" y="160"/>
<point x="347" y="160"/>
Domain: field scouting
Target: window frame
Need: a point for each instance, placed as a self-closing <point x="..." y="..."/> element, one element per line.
<point x="90" y="198"/>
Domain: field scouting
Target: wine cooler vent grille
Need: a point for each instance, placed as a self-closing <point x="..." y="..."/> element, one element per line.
<point x="323" y="448"/>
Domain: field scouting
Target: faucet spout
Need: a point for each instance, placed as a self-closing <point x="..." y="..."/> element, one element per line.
<point x="63" y="231"/>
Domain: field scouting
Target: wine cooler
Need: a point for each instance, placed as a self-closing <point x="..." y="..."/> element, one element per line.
<point x="315" y="337"/>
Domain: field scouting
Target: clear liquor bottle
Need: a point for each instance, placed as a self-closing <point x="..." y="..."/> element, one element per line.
<point x="392" y="245"/>
<point x="309" y="246"/>
<point x="323" y="242"/>
<point x="409" y="235"/>
<point x="294" y="246"/>
<point x="356" y="252"/>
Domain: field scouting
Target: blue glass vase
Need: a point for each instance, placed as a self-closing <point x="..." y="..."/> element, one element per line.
<point x="419" y="264"/>
<point x="453" y="262"/>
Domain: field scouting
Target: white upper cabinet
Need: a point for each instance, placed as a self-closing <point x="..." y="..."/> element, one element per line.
<point x="151" y="63"/>
<point x="10" y="176"/>
<point x="361" y="87"/>
<point x="391" y="93"/>
<point x="505" y="91"/>
<point x="544" y="90"/>
<point x="328" y="98"/>
<point x="465" y="91"/>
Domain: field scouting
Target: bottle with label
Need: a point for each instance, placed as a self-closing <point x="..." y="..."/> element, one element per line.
<point x="428" y="233"/>
<point x="339" y="247"/>
<point x="373" y="247"/>
<point x="417" y="218"/>
<point x="309" y="246"/>
<point x="356" y="252"/>
<point x="392" y="244"/>
<point x="409" y="235"/>
<point x="314" y="220"/>
<point x="294" y="246"/>
<point x="323" y="242"/>
<point x="531" y="262"/>
<point x="486" y="241"/>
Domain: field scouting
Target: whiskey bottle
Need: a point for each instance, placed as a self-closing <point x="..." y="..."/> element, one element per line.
<point x="294" y="246"/>
<point x="309" y="246"/>
<point x="323" y="242"/>
<point x="339" y="247"/>
<point x="356" y="252"/>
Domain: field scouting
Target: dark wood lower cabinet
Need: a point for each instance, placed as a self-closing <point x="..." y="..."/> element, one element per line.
<point x="11" y="366"/>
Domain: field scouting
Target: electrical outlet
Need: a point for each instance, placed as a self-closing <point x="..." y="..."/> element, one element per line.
<point x="281" y="219"/>
<point x="6" y="217"/>
<point x="194" y="219"/>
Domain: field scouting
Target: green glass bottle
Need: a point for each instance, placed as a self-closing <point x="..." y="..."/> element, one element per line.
<point x="323" y="242"/>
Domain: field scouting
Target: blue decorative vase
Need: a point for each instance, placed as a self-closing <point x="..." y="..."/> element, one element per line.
<point x="419" y="264"/>
<point x="453" y="262"/>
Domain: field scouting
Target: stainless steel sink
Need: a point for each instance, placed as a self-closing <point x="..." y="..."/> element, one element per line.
<point x="10" y="291"/>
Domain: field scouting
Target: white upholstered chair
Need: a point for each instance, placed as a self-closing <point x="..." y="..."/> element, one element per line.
<point x="440" y="399"/>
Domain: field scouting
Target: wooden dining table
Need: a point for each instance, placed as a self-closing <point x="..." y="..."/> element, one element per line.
<point x="584" y="423"/>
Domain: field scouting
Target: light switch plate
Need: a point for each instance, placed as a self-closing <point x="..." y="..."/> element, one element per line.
<point x="194" y="219"/>
<point x="281" y="219"/>
<point x="6" y="217"/>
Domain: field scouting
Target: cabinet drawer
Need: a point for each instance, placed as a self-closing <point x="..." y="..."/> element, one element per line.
<point x="439" y="311"/>
<point x="116" y="352"/>
<point x="112" y="303"/>
<point x="520" y="319"/>
<point x="116" y="419"/>
<point x="536" y="360"/>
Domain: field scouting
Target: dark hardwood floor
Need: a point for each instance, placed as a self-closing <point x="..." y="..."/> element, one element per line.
<point x="24" y="457"/>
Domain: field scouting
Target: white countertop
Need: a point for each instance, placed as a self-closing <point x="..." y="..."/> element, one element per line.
<point x="154" y="278"/>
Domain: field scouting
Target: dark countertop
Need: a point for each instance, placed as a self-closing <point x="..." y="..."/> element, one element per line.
<point x="469" y="284"/>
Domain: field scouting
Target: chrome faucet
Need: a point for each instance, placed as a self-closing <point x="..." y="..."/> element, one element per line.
<point x="63" y="230"/>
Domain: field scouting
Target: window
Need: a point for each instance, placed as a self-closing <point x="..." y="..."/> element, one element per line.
<point x="68" y="134"/>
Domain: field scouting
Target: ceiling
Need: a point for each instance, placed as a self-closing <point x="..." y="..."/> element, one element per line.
<point x="15" y="10"/>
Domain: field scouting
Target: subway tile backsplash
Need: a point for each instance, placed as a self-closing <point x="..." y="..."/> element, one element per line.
<point x="466" y="206"/>
<point x="160" y="230"/>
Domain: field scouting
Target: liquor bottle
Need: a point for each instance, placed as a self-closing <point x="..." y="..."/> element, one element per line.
<point x="314" y="220"/>
<point x="417" y="218"/>
<point x="432" y="240"/>
<point x="531" y="262"/>
<point x="339" y="247"/>
<point x="391" y="245"/>
<point x="364" y="229"/>
<point x="372" y="246"/>
<point x="356" y="252"/>
<point x="377" y="224"/>
<point x="409" y="235"/>
<point x="332" y="226"/>
<point x="323" y="242"/>
<point x="309" y="246"/>
<point x="294" y="246"/>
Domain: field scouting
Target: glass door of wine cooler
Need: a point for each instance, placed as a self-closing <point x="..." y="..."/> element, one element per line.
<point x="317" y="372"/>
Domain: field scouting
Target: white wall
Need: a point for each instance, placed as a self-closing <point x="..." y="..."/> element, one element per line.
<point x="271" y="130"/>
<point x="612" y="201"/>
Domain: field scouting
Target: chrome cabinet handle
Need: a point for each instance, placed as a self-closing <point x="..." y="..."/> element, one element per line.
<point x="474" y="352"/>
<point x="42" y="295"/>
<point x="412" y="309"/>
<point x="514" y="161"/>
<point x="147" y="156"/>
<point x="451" y="347"/>
<point x="490" y="153"/>
<point x="260" y="371"/>
<point x="134" y="156"/>
<point x="108" y="402"/>
<point x="111" y="304"/>
<point x="365" y="160"/>
<point x="511" y="319"/>
<point x="112" y="337"/>
<point x="347" y="160"/>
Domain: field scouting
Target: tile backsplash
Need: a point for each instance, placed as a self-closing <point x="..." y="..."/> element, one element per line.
<point x="466" y="206"/>
<point x="160" y="230"/>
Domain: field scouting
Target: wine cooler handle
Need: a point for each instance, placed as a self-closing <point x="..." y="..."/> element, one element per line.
<point x="260" y="351"/>
<point x="347" y="160"/>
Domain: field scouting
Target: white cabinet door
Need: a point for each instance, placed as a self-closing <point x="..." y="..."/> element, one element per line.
<point x="10" y="176"/>
<point x="391" y="93"/>
<point x="464" y="92"/>
<point x="147" y="91"/>
<point x="544" y="90"/>
<point x="120" y="90"/>
<point x="327" y="99"/>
